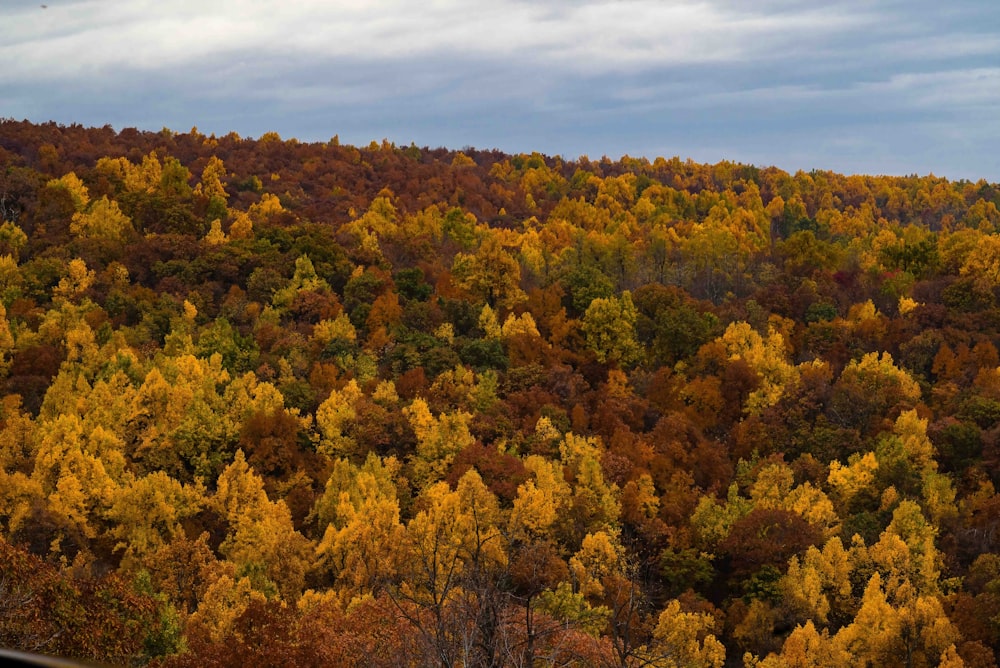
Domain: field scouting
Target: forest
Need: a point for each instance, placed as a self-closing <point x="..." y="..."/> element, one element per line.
<point x="266" y="402"/>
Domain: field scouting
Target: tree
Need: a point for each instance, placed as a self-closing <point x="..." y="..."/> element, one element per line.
<point x="491" y="274"/>
<point x="210" y="188"/>
<point x="102" y="220"/>
<point x="685" y="639"/>
<point x="363" y="534"/>
<point x="609" y="325"/>
<point x="49" y="612"/>
<point x="869" y="388"/>
<point x="453" y="556"/>
<point x="768" y="358"/>
<point x="914" y="631"/>
<point x="261" y="540"/>
<point x="147" y="513"/>
<point x="439" y="439"/>
<point x="672" y="325"/>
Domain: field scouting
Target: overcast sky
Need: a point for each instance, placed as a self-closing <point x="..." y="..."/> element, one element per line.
<point x="885" y="87"/>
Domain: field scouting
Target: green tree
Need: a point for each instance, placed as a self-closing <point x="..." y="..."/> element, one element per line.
<point x="609" y="326"/>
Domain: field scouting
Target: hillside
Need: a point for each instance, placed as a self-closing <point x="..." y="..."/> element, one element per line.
<point x="280" y="403"/>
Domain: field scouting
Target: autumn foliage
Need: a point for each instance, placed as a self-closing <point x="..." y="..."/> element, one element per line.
<point x="266" y="402"/>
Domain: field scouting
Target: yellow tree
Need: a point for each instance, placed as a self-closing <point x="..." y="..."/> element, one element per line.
<point x="983" y="263"/>
<point x="78" y="280"/>
<point x="141" y="178"/>
<point x="363" y="534"/>
<point x="70" y="473"/>
<point x="768" y="357"/>
<point x="102" y="220"/>
<point x="541" y="501"/>
<point x="684" y="640"/>
<point x="600" y="556"/>
<point x="72" y="184"/>
<point x="210" y="187"/>
<point x="911" y="630"/>
<point x="869" y="388"/>
<point x="179" y="420"/>
<point x="334" y="416"/>
<point x="304" y="279"/>
<point x="147" y="512"/>
<point x="225" y="599"/>
<point x="261" y="540"/>
<point x="453" y="561"/>
<point x="491" y="274"/>
<point x="439" y="439"/>
<point x="818" y="587"/>
<point x="805" y="647"/>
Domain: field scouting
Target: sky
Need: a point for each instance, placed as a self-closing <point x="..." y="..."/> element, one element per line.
<point x="875" y="87"/>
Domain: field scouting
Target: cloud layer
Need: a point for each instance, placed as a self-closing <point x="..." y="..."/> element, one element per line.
<point x="887" y="87"/>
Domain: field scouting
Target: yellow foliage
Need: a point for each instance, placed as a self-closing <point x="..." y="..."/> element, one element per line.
<point x="910" y="628"/>
<point x="539" y="501"/>
<point x="142" y="178"/>
<point x="102" y="220"/>
<point x="802" y="591"/>
<point x="772" y="486"/>
<point x="523" y="325"/>
<point x="859" y="474"/>
<point x="805" y="647"/>
<point x="261" y="534"/>
<point x="326" y="331"/>
<point x="488" y="323"/>
<point x="147" y="512"/>
<point x="439" y="439"/>
<point x="216" y="236"/>
<point x="814" y="506"/>
<point x="912" y="431"/>
<point x="939" y="498"/>
<point x="456" y="528"/>
<point x="11" y="279"/>
<point x="599" y="556"/>
<point x="713" y="520"/>
<point x="211" y="180"/>
<point x="241" y="227"/>
<point x="983" y="263"/>
<point x="268" y="206"/>
<point x="907" y="305"/>
<point x="74" y="186"/>
<point x="365" y="549"/>
<point x="223" y="601"/>
<point x="18" y="496"/>
<point x="768" y="357"/>
<point x="333" y="417"/>
<point x="685" y="640"/>
<point x="385" y="393"/>
<point x="76" y="282"/>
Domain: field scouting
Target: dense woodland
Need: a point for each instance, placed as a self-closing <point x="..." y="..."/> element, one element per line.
<point x="269" y="403"/>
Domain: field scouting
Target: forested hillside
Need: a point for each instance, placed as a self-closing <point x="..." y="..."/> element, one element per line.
<point x="277" y="403"/>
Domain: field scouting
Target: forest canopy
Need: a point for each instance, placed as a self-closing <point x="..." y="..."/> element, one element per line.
<point x="283" y="403"/>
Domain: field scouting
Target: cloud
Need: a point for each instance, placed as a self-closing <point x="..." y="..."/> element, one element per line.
<point x="594" y="77"/>
<point x="591" y="37"/>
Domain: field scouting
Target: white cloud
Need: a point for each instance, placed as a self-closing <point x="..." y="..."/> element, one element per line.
<point x="94" y="36"/>
<point x="977" y="88"/>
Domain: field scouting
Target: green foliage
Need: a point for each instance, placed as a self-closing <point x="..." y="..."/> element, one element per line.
<point x="670" y="324"/>
<point x="685" y="568"/>
<point x="609" y="325"/>
<point x="585" y="284"/>
<point x="239" y="353"/>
